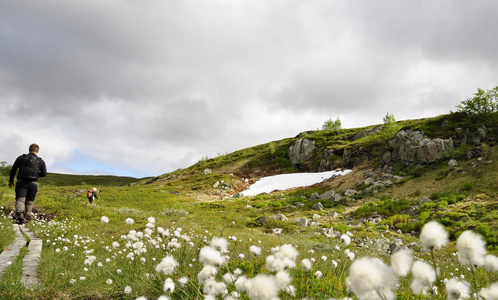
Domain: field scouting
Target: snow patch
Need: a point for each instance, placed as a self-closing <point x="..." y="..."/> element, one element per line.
<point x="288" y="181"/>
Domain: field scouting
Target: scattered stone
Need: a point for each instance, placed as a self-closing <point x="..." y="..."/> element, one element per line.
<point x="452" y="163"/>
<point x="317" y="206"/>
<point x="316" y="216"/>
<point x="327" y="195"/>
<point x="206" y="172"/>
<point x="303" y="222"/>
<point x="333" y="214"/>
<point x="262" y="220"/>
<point x="315" y="196"/>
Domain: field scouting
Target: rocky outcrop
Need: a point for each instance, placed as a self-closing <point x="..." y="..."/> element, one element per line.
<point x="301" y="153"/>
<point x="413" y="147"/>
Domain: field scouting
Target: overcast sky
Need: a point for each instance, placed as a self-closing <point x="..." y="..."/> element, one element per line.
<point x="142" y="88"/>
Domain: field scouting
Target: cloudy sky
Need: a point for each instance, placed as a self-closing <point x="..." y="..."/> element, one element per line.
<point x="142" y="88"/>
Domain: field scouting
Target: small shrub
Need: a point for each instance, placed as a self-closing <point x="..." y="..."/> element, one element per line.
<point x="468" y="186"/>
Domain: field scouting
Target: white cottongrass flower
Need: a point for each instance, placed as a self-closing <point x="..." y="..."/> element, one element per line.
<point x="471" y="248"/>
<point x="283" y="279"/>
<point x="261" y="287"/>
<point x="457" y="290"/>
<point x="211" y="256"/>
<point x="167" y="265"/>
<point x="324" y="258"/>
<point x="346" y="239"/>
<point x="306" y="264"/>
<point x="151" y="220"/>
<point x="119" y="271"/>
<point x="128" y="289"/>
<point x="129" y="221"/>
<point x="206" y="273"/>
<point x="491" y="263"/>
<point x="214" y="288"/>
<point x="351" y="256"/>
<point x="371" y="279"/>
<point x="82" y="278"/>
<point x="229" y="278"/>
<point x="433" y="236"/>
<point x="169" y="285"/>
<point x="108" y="281"/>
<point x="318" y="274"/>
<point x="489" y="293"/>
<point x="183" y="280"/>
<point x="104" y="220"/>
<point x="115" y="245"/>
<point x="255" y="250"/>
<point x="72" y="281"/>
<point x="241" y="256"/>
<point x="220" y="244"/>
<point x="163" y="297"/>
<point x="401" y="261"/>
<point x="423" y="277"/>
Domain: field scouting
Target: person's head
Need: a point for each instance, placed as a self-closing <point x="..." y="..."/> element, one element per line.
<point x="94" y="189"/>
<point x="34" y="148"/>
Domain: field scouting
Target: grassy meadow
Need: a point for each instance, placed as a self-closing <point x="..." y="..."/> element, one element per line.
<point x="160" y="238"/>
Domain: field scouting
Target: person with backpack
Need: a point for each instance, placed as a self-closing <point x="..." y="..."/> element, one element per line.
<point x="92" y="195"/>
<point x="30" y="167"/>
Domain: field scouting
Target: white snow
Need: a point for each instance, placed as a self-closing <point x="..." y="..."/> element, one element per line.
<point x="288" y="181"/>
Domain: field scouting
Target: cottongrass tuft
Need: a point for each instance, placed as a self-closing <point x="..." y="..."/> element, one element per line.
<point x="457" y="290"/>
<point x="128" y="289"/>
<point x="129" y="221"/>
<point x="255" y="250"/>
<point x="471" y="248"/>
<point x="167" y="265"/>
<point x="401" y="262"/>
<point x="169" y="285"/>
<point x="261" y="287"/>
<point x="104" y="220"/>
<point x="491" y="263"/>
<point x="490" y="293"/>
<point x="346" y="239"/>
<point x="423" y="277"/>
<point x="214" y="288"/>
<point x="283" y="279"/>
<point x="433" y="236"/>
<point x="306" y="264"/>
<point x="211" y="256"/>
<point x="220" y="244"/>
<point x="371" y="279"/>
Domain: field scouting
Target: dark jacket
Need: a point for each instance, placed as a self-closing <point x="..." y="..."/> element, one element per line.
<point x="42" y="170"/>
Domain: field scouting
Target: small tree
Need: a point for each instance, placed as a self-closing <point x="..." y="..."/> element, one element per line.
<point x="332" y="125"/>
<point x="390" y="125"/>
<point x="483" y="102"/>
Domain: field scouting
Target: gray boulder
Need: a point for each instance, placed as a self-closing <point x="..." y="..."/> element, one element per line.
<point x="301" y="151"/>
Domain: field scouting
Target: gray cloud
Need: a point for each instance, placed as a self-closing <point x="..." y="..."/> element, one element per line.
<point x="143" y="88"/>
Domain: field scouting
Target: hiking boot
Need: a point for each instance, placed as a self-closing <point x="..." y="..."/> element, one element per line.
<point x="20" y="218"/>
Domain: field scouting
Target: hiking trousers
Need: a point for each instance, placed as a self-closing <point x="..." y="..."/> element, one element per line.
<point x="25" y="196"/>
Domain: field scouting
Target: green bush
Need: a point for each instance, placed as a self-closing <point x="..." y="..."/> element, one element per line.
<point x="484" y="102"/>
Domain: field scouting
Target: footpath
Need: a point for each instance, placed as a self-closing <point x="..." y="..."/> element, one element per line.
<point x="30" y="261"/>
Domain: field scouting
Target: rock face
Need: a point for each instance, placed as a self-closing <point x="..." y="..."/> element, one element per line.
<point x="413" y="147"/>
<point x="300" y="154"/>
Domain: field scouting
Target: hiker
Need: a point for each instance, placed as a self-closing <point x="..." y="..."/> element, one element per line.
<point x="30" y="167"/>
<point x="92" y="195"/>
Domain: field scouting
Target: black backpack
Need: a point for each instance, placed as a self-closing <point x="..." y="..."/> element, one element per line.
<point x="29" y="167"/>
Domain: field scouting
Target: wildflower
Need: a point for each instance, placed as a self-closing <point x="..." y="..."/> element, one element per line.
<point x="72" y="281"/>
<point x="183" y="280"/>
<point x="228" y="278"/>
<point x="324" y="258"/>
<point x="169" y="285"/>
<point x="369" y="279"/>
<point x="129" y="221"/>
<point x="207" y="272"/>
<point x="167" y="265"/>
<point x="423" y="277"/>
<point x="255" y="250"/>
<point x="283" y="279"/>
<point x="211" y="256"/>
<point x="163" y="297"/>
<point x="151" y="220"/>
<point x="242" y="256"/>
<point x="334" y="263"/>
<point x="318" y="274"/>
<point x="401" y="262"/>
<point x="261" y="287"/>
<point x="306" y="264"/>
<point x="433" y="236"/>
<point x="115" y="245"/>
<point x="214" y="288"/>
<point x="219" y="244"/>
<point x="351" y="256"/>
<point x="119" y="271"/>
<point x="471" y="248"/>
<point x="489" y="293"/>
<point x="82" y="278"/>
<point x="491" y="263"/>
<point x="127" y="289"/>
<point x="108" y="281"/>
<point x="104" y="220"/>
<point x="457" y="290"/>
<point x="346" y="239"/>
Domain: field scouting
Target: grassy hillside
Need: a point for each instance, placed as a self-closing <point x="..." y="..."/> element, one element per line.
<point x="191" y="210"/>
